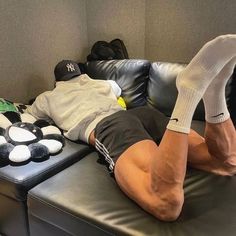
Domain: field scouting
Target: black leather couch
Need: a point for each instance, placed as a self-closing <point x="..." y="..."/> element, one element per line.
<point x="73" y="194"/>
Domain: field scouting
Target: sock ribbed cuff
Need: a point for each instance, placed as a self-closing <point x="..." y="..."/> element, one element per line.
<point x="216" y="110"/>
<point x="182" y="114"/>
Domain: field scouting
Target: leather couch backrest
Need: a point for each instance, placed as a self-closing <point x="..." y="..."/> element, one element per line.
<point x="143" y="83"/>
<point x="162" y="91"/>
<point x="131" y="75"/>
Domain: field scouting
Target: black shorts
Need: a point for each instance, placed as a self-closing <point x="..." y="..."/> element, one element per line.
<point x="117" y="132"/>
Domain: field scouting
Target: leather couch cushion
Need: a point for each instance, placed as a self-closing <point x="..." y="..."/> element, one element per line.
<point x="198" y="126"/>
<point x="15" y="181"/>
<point x="84" y="200"/>
<point x="131" y="75"/>
<point x="162" y="91"/>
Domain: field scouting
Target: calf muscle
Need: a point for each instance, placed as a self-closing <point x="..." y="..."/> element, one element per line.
<point x="221" y="141"/>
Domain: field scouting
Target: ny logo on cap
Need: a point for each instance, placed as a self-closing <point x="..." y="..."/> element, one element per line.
<point x="70" y="67"/>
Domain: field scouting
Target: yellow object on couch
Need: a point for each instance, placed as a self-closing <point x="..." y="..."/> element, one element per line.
<point x="121" y="102"/>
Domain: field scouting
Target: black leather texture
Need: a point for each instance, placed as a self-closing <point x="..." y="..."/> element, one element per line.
<point x="13" y="217"/>
<point x="162" y="91"/>
<point x="72" y="194"/>
<point x="131" y="75"/>
<point x="15" y="181"/>
<point x="152" y="83"/>
<point x="75" y="206"/>
<point x="89" y="202"/>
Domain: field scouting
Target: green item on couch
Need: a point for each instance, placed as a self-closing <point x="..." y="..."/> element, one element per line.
<point x="6" y="105"/>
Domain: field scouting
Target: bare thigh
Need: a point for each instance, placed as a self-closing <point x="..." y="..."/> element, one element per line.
<point x="198" y="156"/>
<point x="133" y="175"/>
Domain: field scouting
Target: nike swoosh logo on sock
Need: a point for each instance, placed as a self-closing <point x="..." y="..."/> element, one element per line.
<point x="221" y="114"/>
<point x="175" y="119"/>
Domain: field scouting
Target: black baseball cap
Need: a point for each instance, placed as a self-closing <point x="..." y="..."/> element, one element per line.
<point x="66" y="70"/>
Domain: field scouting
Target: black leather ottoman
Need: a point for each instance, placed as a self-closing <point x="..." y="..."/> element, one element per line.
<point x="84" y="200"/>
<point x="15" y="181"/>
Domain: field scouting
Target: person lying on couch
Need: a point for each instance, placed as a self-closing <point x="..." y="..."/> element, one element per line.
<point x="148" y="152"/>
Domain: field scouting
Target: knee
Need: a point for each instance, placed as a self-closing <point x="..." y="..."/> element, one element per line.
<point x="168" y="207"/>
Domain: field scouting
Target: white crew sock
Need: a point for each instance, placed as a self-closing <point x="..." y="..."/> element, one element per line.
<point x="216" y="110"/>
<point x="193" y="81"/>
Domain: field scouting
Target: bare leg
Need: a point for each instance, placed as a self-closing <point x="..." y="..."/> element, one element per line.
<point x="221" y="142"/>
<point x="217" y="152"/>
<point x="153" y="176"/>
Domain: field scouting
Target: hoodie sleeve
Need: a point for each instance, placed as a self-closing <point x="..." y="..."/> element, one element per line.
<point x="39" y="109"/>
